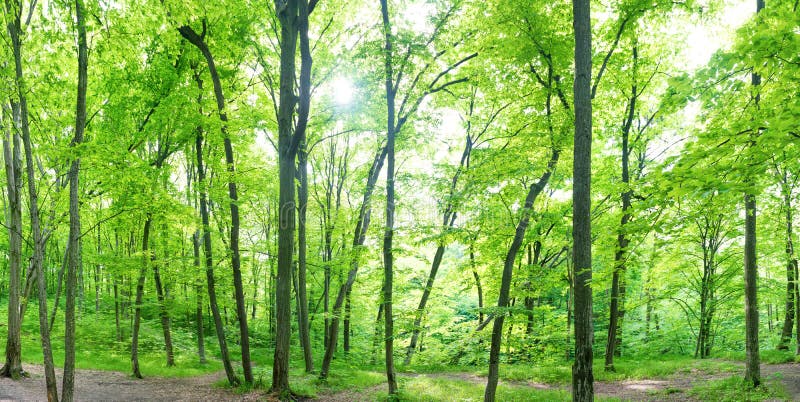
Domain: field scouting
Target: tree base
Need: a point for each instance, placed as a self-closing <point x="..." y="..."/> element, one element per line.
<point x="14" y="374"/>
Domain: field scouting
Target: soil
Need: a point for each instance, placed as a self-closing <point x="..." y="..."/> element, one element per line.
<point x="96" y="385"/>
<point x="92" y="385"/>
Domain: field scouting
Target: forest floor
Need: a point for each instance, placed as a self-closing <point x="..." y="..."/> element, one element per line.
<point x="111" y="385"/>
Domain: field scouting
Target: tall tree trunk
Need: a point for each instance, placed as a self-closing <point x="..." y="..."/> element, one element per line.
<point x="13" y="166"/>
<point x="207" y="249"/>
<point x="199" y="41"/>
<point x="388" y="258"/>
<point x="752" y="369"/>
<point x="302" y="298"/>
<point x="582" y="377"/>
<point x="752" y="373"/>
<point x="293" y="17"/>
<point x="621" y="255"/>
<point x="67" y="391"/>
<point x="508" y="266"/>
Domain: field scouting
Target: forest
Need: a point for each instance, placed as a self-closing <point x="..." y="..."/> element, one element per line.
<point x="405" y="200"/>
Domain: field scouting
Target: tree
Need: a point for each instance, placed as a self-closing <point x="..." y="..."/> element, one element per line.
<point x="293" y="16"/>
<point x="68" y="385"/>
<point x="582" y="378"/>
<point x="13" y="166"/>
<point x="388" y="258"/>
<point x="14" y="9"/>
<point x="752" y="363"/>
<point x="199" y="41"/>
<point x="207" y="246"/>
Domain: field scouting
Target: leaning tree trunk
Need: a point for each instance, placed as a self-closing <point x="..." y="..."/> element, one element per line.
<point x="582" y="378"/>
<point x="68" y="384"/>
<point x="508" y="267"/>
<point x="360" y="234"/>
<point x="207" y="250"/>
<point x="199" y="41"/>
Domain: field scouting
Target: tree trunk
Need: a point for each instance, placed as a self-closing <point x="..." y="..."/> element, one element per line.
<point x="346" y="326"/>
<point x="293" y="17"/>
<point x="752" y="373"/>
<point x="360" y="234"/>
<point x="137" y="315"/>
<point x="582" y="377"/>
<point x="13" y="167"/>
<point x="164" y="315"/>
<point x="752" y="369"/>
<point x="791" y="262"/>
<point x="68" y="384"/>
<point x="508" y="267"/>
<point x="302" y="298"/>
<point x="241" y="314"/>
<point x="477" y="282"/>
<point x="201" y="341"/>
<point x="388" y="258"/>
<point x="207" y="250"/>
<point x="621" y="254"/>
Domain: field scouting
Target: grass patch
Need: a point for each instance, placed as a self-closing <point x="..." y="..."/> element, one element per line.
<point x="734" y="389"/>
<point x="425" y="388"/>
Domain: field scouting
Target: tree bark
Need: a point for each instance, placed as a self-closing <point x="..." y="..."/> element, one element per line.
<point x="791" y="263"/>
<point x="477" y="283"/>
<point x="164" y="314"/>
<point x="302" y="298"/>
<point x="39" y="239"/>
<point x="582" y="377"/>
<point x="207" y="250"/>
<point x="752" y="373"/>
<point x="616" y="311"/>
<point x="13" y="167"/>
<point x="388" y="258"/>
<point x="201" y="339"/>
<point x="137" y="315"/>
<point x="73" y="267"/>
<point x="508" y="266"/>
<point x="199" y="41"/>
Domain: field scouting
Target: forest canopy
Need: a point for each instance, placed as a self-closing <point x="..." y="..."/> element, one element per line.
<point x="265" y="187"/>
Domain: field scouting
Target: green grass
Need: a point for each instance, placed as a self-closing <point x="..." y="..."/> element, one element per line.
<point x="734" y="389"/>
<point x="628" y="368"/>
<point x="768" y="356"/>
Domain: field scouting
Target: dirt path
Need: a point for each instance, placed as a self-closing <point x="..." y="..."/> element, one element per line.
<point x="790" y="375"/>
<point x="96" y="385"/>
